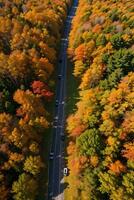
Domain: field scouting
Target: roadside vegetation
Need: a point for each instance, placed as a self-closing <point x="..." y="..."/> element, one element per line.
<point x="30" y="33"/>
<point x="100" y="130"/>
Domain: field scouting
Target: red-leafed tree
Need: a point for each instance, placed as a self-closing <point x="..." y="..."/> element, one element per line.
<point x="42" y="89"/>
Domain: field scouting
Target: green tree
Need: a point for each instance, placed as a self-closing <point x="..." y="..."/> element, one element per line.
<point x="108" y="182"/>
<point x="128" y="182"/>
<point x="90" y="142"/>
<point x="25" y="188"/>
<point x="33" y="165"/>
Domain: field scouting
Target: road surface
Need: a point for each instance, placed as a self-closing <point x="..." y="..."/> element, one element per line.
<point x="56" y="181"/>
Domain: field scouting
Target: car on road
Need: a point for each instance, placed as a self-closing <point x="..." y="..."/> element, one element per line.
<point x="50" y="195"/>
<point x="56" y="118"/>
<point x="70" y="17"/>
<point x="51" y="155"/>
<point x="59" y="76"/>
<point x="65" y="171"/>
<point x="63" y="102"/>
<point x="55" y="126"/>
<point x="64" y="39"/>
<point x="62" y="137"/>
<point x="60" y="61"/>
<point x="56" y="103"/>
<point x="55" y="123"/>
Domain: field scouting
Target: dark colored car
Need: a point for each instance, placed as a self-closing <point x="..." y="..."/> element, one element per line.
<point x="51" y="155"/>
<point x="59" y="76"/>
<point x="62" y="137"/>
<point x="56" y="103"/>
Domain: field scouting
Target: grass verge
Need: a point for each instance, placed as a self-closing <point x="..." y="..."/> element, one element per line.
<point x="72" y="90"/>
<point x="72" y="99"/>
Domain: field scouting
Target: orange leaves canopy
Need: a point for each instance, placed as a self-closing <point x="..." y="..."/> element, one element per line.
<point x="117" y="167"/>
<point x="129" y="151"/>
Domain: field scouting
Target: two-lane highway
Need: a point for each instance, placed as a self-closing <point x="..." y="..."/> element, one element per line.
<point x="56" y="166"/>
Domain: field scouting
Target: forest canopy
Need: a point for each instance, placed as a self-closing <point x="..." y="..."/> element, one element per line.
<point x="30" y="33"/>
<point x="101" y="130"/>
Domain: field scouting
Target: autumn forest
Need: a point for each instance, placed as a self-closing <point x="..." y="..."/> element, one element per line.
<point x="99" y="140"/>
<point x="30" y="33"/>
<point x="101" y="129"/>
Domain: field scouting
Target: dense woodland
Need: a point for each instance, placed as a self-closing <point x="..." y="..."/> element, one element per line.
<point x="30" y="33"/>
<point x="101" y="129"/>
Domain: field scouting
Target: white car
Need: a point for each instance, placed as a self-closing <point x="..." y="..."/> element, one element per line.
<point x="65" y="171"/>
<point x="54" y="126"/>
<point x="64" y="39"/>
<point x="56" y="118"/>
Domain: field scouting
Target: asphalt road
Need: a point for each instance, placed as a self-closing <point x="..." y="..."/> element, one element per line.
<point x="56" y="180"/>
